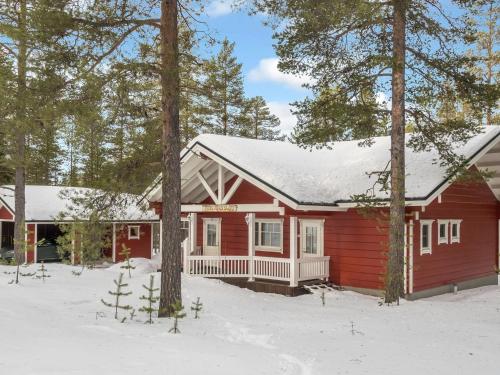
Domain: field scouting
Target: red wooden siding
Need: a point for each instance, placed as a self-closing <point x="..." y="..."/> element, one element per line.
<point x="31" y="239"/>
<point x="140" y="248"/>
<point x="5" y="214"/>
<point x="357" y="246"/>
<point x="476" y="254"/>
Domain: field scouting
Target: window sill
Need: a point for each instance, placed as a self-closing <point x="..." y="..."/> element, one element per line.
<point x="425" y="251"/>
<point x="269" y="249"/>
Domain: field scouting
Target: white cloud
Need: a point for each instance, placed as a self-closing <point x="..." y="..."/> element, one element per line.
<point x="282" y="110"/>
<point x="267" y="70"/>
<point x="383" y="100"/>
<point x="219" y="8"/>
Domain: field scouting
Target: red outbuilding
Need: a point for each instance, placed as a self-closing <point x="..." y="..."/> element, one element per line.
<point x="49" y="206"/>
<point x="272" y="211"/>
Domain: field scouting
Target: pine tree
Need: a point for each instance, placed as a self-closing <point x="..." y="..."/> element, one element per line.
<point x="118" y="294"/>
<point x="402" y="48"/>
<point x="223" y="88"/>
<point x="38" y="60"/>
<point x="125" y="252"/>
<point x="486" y="55"/>
<point x="197" y="306"/>
<point x="177" y="313"/>
<point x="151" y="299"/>
<point x="43" y="272"/>
<point x="258" y="122"/>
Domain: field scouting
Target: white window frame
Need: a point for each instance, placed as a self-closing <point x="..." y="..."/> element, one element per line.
<point x="446" y="239"/>
<point x="274" y="249"/>
<point x="458" y="223"/>
<point x="428" y="249"/>
<point x="138" y="236"/>
<point x="320" y="223"/>
<point x="212" y="220"/>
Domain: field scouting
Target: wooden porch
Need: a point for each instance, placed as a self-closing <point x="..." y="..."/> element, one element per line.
<point x="290" y="271"/>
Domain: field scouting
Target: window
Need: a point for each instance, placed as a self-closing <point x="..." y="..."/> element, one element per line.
<point x="269" y="234"/>
<point x="311" y="237"/>
<point x="455" y="230"/>
<point x="443" y="226"/>
<point x="134" y="232"/>
<point x="426" y="236"/>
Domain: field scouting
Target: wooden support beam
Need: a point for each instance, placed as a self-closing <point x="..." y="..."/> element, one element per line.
<point x="207" y="188"/>
<point x="220" y="184"/>
<point x="232" y="190"/>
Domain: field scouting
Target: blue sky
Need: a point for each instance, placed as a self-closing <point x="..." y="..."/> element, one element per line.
<point x="254" y="49"/>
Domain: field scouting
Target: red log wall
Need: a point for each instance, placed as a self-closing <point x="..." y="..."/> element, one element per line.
<point x="476" y="254"/>
<point x="140" y="248"/>
<point x="5" y="214"/>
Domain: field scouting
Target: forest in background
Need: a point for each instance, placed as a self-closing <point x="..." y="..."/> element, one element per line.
<point x="103" y="130"/>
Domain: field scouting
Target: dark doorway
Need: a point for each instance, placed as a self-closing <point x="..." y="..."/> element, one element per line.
<point x="7" y="237"/>
<point x="47" y="235"/>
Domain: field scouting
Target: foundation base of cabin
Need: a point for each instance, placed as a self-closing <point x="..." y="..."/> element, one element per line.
<point x="450" y="288"/>
<point x="264" y="286"/>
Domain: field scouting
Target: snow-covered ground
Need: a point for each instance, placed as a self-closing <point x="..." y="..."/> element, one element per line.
<point x="61" y="327"/>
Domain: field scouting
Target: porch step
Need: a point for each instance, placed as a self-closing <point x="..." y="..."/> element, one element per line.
<point x="321" y="287"/>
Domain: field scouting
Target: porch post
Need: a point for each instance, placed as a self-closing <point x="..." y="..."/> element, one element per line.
<point x="191" y="248"/>
<point x="294" y="266"/>
<point x="251" y="245"/>
<point x="161" y="238"/>
<point x="35" y="241"/>
<point x="114" y="242"/>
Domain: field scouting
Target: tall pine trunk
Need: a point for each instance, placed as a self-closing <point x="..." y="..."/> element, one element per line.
<point x="171" y="187"/>
<point x="490" y="60"/>
<point x="20" y="139"/>
<point x="394" y="288"/>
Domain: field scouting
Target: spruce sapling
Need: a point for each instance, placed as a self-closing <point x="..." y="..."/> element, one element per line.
<point x="197" y="307"/>
<point x="178" y="313"/>
<point x="126" y="253"/>
<point x="43" y="271"/>
<point x="118" y="293"/>
<point x="323" y="301"/>
<point x="151" y="299"/>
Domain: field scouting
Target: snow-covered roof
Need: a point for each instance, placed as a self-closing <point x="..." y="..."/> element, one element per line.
<point x="328" y="176"/>
<point x="46" y="203"/>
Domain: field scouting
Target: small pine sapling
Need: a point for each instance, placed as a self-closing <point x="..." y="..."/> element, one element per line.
<point x="197" y="306"/>
<point x="151" y="299"/>
<point x="132" y="314"/>
<point x="125" y="252"/>
<point x="118" y="293"/>
<point x="178" y="313"/>
<point x="43" y="272"/>
<point x="323" y="300"/>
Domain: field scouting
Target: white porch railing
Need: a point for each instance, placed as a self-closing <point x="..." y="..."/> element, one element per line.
<point x="269" y="268"/>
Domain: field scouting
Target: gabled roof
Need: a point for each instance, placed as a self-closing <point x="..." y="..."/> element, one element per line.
<point x="324" y="177"/>
<point x="46" y="203"/>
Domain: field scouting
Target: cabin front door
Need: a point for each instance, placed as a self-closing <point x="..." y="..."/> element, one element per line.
<point x="211" y="236"/>
<point x="311" y="238"/>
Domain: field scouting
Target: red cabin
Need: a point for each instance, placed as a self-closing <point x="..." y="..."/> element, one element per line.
<point x="262" y="210"/>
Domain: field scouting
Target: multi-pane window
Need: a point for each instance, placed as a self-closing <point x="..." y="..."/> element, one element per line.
<point x="455" y="231"/>
<point x="426" y="236"/>
<point x="443" y="231"/>
<point x="212" y="234"/>
<point x="311" y="240"/>
<point x="134" y="232"/>
<point x="269" y="234"/>
<point x="184" y="229"/>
